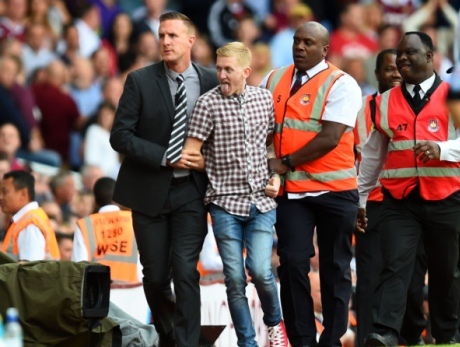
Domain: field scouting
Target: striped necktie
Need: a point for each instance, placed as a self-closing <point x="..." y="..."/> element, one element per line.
<point x="173" y="154"/>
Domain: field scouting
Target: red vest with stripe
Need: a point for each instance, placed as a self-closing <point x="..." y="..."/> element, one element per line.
<point x="403" y="171"/>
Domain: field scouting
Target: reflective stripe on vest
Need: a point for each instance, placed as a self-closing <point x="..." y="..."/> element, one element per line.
<point x="39" y="218"/>
<point x="109" y="240"/>
<point x="403" y="171"/>
<point x="298" y="120"/>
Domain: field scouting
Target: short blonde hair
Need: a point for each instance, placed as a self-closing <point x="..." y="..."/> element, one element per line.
<point x="236" y="49"/>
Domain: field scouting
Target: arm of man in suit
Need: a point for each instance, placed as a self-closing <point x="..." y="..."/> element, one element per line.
<point x="124" y="136"/>
<point x="191" y="154"/>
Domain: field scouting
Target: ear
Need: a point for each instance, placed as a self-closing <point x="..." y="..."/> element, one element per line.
<point x="247" y="72"/>
<point x="325" y="50"/>
<point x="429" y="56"/>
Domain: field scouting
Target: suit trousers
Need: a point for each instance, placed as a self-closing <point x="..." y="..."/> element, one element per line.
<point x="334" y="216"/>
<point x="169" y="247"/>
<point x="403" y="224"/>
<point x="368" y="255"/>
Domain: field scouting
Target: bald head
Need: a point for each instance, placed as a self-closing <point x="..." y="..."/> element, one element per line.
<point x="318" y="29"/>
<point x="56" y="73"/>
<point x="310" y="46"/>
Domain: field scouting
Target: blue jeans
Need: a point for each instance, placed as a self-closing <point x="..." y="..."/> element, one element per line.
<point x="255" y="232"/>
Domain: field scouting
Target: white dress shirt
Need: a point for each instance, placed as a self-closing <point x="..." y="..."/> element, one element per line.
<point x="31" y="241"/>
<point x="375" y="149"/>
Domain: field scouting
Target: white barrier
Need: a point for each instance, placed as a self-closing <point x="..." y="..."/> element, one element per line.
<point x="214" y="310"/>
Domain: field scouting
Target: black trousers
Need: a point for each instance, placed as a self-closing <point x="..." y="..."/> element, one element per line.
<point x="368" y="255"/>
<point x="404" y="223"/>
<point x="169" y="247"/>
<point x="334" y="216"/>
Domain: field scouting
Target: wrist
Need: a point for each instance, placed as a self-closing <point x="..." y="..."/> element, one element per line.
<point x="286" y="161"/>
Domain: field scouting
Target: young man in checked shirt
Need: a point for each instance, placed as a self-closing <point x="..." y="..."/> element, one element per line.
<point x="233" y="124"/>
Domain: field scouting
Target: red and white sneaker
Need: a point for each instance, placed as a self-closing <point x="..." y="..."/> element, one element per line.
<point x="277" y="336"/>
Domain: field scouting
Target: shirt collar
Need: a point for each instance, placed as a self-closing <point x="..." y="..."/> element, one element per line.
<point x="29" y="207"/>
<point x="109" y="208"/>
<point x="173" y="74"/>
<point x="424" y="86"/>
<point x="322" y="65"/>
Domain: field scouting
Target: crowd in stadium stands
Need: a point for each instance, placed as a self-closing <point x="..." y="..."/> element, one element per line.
<point x="63" y="64"/>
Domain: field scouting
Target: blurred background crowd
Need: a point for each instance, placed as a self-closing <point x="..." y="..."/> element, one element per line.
<point x="63" y="64"/>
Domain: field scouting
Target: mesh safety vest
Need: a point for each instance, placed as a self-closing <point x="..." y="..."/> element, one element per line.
<point x="39" y="218"/>
<point x="298" y="119"/>
<point x="109" y="240"/>
<point x="403" y="171"/>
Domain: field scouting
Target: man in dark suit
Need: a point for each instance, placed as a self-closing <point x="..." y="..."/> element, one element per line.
<point x="165" y="196"/>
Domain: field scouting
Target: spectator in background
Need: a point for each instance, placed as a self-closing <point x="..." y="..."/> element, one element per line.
<point x="108" y="10"/>
<point x="261" y="63"/>
<point x="428" y="15"/>
<point x="278" y="18"/>
<point x="281" y="42"/>
<point x="36" y="52"/>
<point x="59" y="111"/>
<point x="202" y="52"/>
<point x="87" y="93"/>
<point x="38" y="13"/>
<point x="104" y="65"/>
<point x="223" y="20"/>
<point x="63" y="188"/>
<point x="355" y="68"/>
<point x="352" y="38"/>
<point x="54" y="213"/>
<point x="146" y="48"/>
<point x="97" y="148"/>
<point x="89" y="175"/>
<point x="112" y="90"/>
<point x="119" y="39"/>
<point x="19" y="108"/>
<point x="65" y="245"/>
<point x="30" y="236"/>
<point x="69" y="46"/>
<point x="88" y="26"/>
<point x="12" y="23"/>
<point x="387" y="38"/>
<point x="5" y="218"/>
<point x="147" y="18"/>
<point x="10" y="142"/>
<point x="248" y="31"/>
<point x="395" y="12"/>
<point x="10" y="111"/>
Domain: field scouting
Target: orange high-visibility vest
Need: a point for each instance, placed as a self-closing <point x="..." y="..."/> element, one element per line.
<point x="39" y="218"/>
<point x="109" y="240"/>
<point x="361" y="131"/>
<point x="403" y="171"/>
<point x="298" y="119"/>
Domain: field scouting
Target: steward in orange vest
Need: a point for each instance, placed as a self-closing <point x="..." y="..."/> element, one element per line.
<point x="30" y="236"/>
<point x="298" y="121"/>
<point x="107" y="237"/>
<point x="109" y="240"/>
